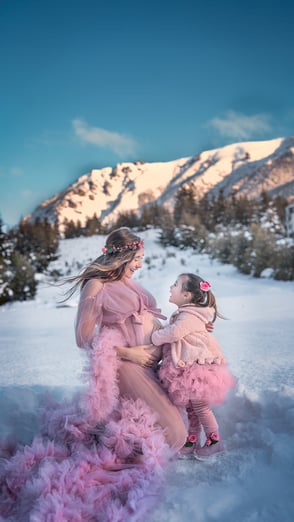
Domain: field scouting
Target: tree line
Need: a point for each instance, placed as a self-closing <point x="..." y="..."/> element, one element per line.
<point x="25" y="251"/>
<point x="250" y="234"/>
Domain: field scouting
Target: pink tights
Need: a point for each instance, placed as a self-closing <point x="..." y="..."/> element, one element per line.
<point x="200" y="414"/>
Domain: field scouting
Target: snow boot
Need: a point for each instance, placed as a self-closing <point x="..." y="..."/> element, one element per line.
<point x="188" y="450"/>
<point x="212" y="446"/>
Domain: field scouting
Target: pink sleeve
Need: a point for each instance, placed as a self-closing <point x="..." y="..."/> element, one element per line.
<point x="89" y="314"/>
<point x="172" y="332"/>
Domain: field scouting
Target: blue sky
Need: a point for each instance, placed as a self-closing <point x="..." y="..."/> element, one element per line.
<point x="89" y="83"/>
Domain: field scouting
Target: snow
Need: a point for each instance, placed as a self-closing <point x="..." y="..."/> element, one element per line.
<point x="253" y="480"/>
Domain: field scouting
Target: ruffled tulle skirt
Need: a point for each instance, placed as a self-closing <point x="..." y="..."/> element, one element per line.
<point x="207" y="382"/>
<point x="98" y="458"/>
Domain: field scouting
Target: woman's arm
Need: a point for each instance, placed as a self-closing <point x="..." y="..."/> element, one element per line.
<point x="137" y="354"/>
<point x="87" y="315"/>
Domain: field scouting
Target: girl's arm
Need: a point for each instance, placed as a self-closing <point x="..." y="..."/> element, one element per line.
<point x="209" y="327"/>
<point x="172" y="332"/>
<point x="176" y="331"/>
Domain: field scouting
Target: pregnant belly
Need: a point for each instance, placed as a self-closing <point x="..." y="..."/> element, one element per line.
<point x="151" y="324"/>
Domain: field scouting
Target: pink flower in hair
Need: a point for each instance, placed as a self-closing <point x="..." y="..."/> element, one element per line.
<point x="104" y="250"/>
<point x="205" y="286"/>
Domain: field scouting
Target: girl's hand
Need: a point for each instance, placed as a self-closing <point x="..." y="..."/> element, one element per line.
<point x="137" y="354"/>
<point x="209" y="327"/>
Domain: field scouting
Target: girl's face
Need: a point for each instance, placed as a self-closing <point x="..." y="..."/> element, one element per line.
<point x="177" y="295"/>
<point x="135" y="264"/>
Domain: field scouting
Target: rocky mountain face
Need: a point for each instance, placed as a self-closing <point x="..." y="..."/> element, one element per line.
<point x="245" y="168"/>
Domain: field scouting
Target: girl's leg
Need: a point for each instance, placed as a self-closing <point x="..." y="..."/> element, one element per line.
<point x="194" y="434"/>
<point x="213" y="444"/>
<point x="203" y="412"/>
<point x="194" y="422"/>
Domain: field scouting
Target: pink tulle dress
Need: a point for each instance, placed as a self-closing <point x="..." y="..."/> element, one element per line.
<point x="126" y="314"/>
<point x="101" y="456"/>
<point x="193" y="365"/>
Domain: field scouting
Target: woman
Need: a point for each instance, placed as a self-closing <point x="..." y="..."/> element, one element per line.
<point x="102" y="455"/>
<point x="115" y="310"/>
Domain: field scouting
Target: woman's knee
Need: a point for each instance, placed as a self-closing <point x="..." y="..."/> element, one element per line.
<point x="176" y="434"/>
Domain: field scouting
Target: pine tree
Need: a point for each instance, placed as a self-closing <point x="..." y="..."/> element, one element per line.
<point x="70" y="229"/>
<point x="219" y="208"/>
<point x="168" y="234"/>
<point x="127" y="219"/>
<point x="240" y="252"/>
<point x="152" y="215"/>
<point x="205" y="210"/>
<point x="264" y="201"/>
<point x="23" y="283"/>
<point x="284" y="263"/>
<point x="93" y="226"/>
<point x="38" y="241"/>
<point x="185" y="201"/>
<point x="243" y="210"/>
<point x="280" y="204"/>
<point x="6" y="249"/>
<point x="17" y="272"/>
<point x="263" y="249"/>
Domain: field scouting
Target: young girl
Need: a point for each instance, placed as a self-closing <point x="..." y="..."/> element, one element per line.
<point x="193" y="369"/>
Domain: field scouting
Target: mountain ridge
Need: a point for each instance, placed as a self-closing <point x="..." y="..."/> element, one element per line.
<point x="247" y="168"/>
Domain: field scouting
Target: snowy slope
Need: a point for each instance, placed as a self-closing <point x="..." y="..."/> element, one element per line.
<point x="253" y="480"/>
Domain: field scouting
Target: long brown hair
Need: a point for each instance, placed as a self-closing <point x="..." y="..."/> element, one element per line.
<point x="120" y="248"/>
<point x="191" y="283"/>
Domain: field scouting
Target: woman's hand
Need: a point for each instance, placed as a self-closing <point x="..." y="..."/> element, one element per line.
<point x="209" y="327"/>
<point x="137" y="354"/>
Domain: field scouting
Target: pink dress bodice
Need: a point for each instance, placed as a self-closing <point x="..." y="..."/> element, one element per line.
<point x="126" y="306"/>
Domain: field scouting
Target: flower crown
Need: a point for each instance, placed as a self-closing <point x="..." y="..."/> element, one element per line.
<point x="112" y="249"/>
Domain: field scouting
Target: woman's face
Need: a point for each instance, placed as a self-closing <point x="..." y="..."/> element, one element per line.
<point x="135" y="264"/>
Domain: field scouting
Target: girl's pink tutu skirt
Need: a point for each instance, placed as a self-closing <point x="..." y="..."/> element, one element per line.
<point x="205" y="382"/>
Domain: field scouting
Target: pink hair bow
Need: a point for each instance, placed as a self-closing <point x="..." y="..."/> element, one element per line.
<point x="205" y="286"/>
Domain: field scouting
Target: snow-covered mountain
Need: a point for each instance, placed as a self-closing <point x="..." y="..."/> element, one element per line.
<point x="247" y="168"/>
